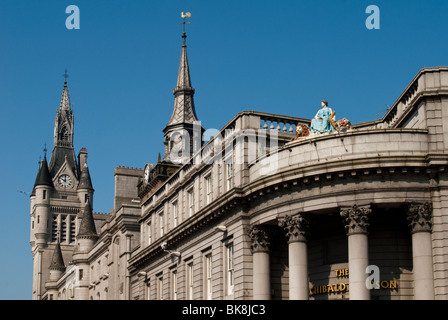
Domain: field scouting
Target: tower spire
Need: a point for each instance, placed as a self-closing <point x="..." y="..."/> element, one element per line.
<point x="183" y="111"/>
<point x="65" y="99"/>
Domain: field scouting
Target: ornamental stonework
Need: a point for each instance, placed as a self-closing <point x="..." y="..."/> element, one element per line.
<point x="419" y="217"/>
<point x="356" y="219"/>
<point x="296" y="227"/>
<point x="260" y="238"/>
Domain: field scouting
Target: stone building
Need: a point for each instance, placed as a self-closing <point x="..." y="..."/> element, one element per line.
<point x="255" y="212"/>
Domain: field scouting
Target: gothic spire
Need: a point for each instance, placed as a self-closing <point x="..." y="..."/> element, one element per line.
<point x="63" y="135"/>
<point x="65" y="100"/>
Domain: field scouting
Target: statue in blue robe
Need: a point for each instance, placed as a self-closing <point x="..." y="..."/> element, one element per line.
<point x="321" y="122"/>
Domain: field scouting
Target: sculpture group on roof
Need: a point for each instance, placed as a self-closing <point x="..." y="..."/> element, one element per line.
<point x="323" y="122"/>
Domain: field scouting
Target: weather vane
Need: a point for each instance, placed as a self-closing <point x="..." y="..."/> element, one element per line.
<point x="186" y="15"/>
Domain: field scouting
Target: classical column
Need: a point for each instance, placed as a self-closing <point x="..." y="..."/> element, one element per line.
<point x="356" y="221"/>
<point x="419" y="220"/>
<point x="295" y="228"/>
<point x="261" y="266"/>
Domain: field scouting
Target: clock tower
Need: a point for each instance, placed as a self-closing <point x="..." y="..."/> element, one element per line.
<point x="61" y="191"/>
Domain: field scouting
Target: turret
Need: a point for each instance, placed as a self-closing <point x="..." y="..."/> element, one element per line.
<point x="43" y="188"/>
<point x="85" y="189"/>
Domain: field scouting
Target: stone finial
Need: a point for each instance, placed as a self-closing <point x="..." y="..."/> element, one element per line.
<point x="419" y="216"/>
<point x="296" y="227"/>
<point x="260" y="238"/>
<point x="356" y="219"/>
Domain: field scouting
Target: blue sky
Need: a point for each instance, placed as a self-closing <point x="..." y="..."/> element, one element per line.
<point x="273" y="56"/>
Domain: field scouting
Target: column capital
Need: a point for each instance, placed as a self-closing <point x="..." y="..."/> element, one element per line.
<point x="419" y="216"/>
<point x="260" y="238"/>
<point x="356" y="219"/>
<point x="296" y="227"/>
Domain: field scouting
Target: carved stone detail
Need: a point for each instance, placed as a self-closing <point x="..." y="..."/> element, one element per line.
<point x="260" y="238"/>
<point x="419" y="217"/>
<point x="356" y="219"/>
<point x="296" y="227"/>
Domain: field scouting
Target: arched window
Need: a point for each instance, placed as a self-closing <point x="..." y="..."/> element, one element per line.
<point x="64" y="134"/>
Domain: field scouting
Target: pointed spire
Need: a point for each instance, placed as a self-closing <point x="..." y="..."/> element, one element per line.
<point x="183" y="111"/>
<point x="43" y="176"/>
<point x="65" y="100"/>
<point x="57" y="261"/>
<point x="87" y="229"/>
<point x="84" y="180"/>
<point x="183" y="77"/>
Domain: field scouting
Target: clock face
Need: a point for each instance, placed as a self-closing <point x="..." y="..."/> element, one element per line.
<point x="65" y="181"/>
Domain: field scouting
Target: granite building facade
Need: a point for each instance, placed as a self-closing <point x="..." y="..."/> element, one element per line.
<point x="259" y="211"/>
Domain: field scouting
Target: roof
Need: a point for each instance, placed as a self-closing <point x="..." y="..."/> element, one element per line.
<point x="43" y="176"/>
<point x="84" y="180"/>
<point x="57" y="262"/>
<point x="87" y="227"/>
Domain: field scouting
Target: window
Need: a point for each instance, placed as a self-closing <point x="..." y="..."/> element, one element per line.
<point x="44" y="194"/>
<point x="174" y="284"/>
<point x="72" y="230"/>
<point x="54" y="229"/>
<point x="64" y="230"/>
<point x="229" y="175"/>
<point x="160" y="288"/>
<point x="148" y="228"/>
<point x="190" y="281"/>
<point x="229" y="268"/>
<point x="190" y="202"/>
<point x="208" y="189"/>
<point x="208" y="276"/>
<point x="161" y="224"/>
<point x="175" y="214"/>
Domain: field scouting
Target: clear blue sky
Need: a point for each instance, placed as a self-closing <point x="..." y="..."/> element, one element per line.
<point x="273" y="56"/>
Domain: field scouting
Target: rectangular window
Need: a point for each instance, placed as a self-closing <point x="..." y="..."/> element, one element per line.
<point x="174" y="284"/>
<point x="44" y="194"/>
<point x="190" y="202"/>
<point x="229" y="175"/>
<point x="229" y="268"/>
<point x="208" y="276"/>
<point x="161" y="224"/>
<point x="72" y="229"/>
<point x="190" y="281"/>
<point x="208" y="189"/>
<point x="160" y="288"/>
<point x="149" y="232"/>
<point x="175" y="214"/>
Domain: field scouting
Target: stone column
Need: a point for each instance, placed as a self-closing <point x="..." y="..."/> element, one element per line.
<point x="261" y="265"/>
<point x="296" y="228"/>
<point x="356" y="221"/>
<point x="420" y="223"/>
